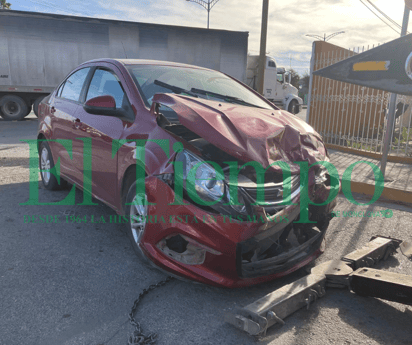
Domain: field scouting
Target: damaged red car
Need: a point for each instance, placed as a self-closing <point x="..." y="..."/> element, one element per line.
<point x="210" y="154"/>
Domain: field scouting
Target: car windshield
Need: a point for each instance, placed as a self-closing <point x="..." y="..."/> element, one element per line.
<point x="206" y="84"/>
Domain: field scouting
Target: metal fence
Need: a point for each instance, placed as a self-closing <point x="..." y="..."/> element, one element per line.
<point x="351" y="115"/>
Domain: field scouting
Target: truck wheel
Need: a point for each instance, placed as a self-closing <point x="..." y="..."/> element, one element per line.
<point x="36" y="105"/>
<point x="293" y="107"/>
<point x="13" y="108"/>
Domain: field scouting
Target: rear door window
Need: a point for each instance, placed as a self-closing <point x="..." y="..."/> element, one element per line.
<point x="74" y="84"/>
<point x="59" y="91"/>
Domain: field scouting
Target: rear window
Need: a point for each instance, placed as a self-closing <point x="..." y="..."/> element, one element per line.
<point x="73" y="85"/>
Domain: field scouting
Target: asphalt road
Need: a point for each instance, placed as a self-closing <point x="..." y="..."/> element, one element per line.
<point x="302" y="114"/>
<point x="74" y="283"/>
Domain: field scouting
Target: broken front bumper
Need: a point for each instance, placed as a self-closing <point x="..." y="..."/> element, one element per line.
<point x="222" y="237"/>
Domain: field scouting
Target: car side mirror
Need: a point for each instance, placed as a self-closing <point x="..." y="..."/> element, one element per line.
<point x="102" y="105"/>
<point x="161" y="120"/>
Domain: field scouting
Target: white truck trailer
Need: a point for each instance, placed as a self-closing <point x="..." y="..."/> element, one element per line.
<point x="37" y="50"/>
<point x="275" y="88"/>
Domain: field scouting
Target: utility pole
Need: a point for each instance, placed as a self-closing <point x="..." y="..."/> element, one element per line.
<point x="387" y="142"/>
<point x="263" y="37"/>
<point x="208" y="14"/>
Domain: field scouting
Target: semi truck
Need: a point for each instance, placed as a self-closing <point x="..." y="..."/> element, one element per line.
<point x="277" y="87"/>
<point x="37" y="50"/>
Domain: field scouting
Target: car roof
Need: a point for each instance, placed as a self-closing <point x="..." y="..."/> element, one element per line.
<point x="127" y="62"/>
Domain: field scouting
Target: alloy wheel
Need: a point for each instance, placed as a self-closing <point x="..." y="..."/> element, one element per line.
<point x="45" y="165"/>
<point x="138" y="217"/>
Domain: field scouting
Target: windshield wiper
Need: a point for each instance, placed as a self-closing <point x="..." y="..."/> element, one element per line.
<point x="175" y="89"/>
<point x="231" y="99"/>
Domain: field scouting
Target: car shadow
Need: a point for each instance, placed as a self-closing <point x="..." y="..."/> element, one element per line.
<point x="14" y="162"/>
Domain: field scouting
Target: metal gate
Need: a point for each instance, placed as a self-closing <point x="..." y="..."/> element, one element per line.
<point x="353" y="116"/>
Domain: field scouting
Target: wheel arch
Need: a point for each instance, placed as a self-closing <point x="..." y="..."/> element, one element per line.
<point x="129" y="177"/>
<point x="290" y="97"/>
<point x="40" y="136"/>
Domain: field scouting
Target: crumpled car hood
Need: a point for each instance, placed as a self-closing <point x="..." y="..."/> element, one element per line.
<point x="247" y="133"/>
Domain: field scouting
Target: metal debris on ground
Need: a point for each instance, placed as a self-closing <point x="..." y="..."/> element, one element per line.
<point x="353" y="271"/>
<point x="138" y="338"/>
<point x="406" y="248"/>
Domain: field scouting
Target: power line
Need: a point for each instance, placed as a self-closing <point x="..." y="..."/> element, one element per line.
<point x="379" y="17"/>
<point x="384" y="14"/>
<point x="46" y="5"/>
<point x="66" y="11"/>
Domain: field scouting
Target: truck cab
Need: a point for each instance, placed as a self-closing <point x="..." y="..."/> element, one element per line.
<point x="277" y="87"/>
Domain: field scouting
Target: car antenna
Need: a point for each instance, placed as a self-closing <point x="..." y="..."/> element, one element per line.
<point x="124" y="50"/>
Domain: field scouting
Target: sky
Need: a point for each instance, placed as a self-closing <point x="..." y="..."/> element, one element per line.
<point x="289" y="21"/>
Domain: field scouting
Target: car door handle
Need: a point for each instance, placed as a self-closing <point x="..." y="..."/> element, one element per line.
<point x="53" y="110"/>
<point x="77" y="123"/>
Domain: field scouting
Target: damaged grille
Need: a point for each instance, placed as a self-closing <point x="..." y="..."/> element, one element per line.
<point x="293" y="246"/>
<point x="273" y="192"/>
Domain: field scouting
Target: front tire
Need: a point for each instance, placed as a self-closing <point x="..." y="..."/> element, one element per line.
<point x="46" y="163"/>
<point x="135" y="207"/>
<point x="13" y="108"/>
<point x="293" y="107"/>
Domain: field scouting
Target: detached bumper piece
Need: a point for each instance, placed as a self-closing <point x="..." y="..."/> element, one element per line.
<point x="353" y="271"/>
<point x="257" y="317"/>
<point x="390" y="286"/>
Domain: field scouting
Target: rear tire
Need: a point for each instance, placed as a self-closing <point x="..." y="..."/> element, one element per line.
<point x="36" y="105"/>
<point x="28" y="110"/>
<point x="13" y="108"/>
<point x="45" y="163"/>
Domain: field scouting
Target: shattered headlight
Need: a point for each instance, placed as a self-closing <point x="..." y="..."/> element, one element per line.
<point x="320" y="176"/>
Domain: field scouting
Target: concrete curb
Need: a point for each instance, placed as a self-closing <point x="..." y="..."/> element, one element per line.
<point x="377" y="156"/>
<point x="389" y="194"/>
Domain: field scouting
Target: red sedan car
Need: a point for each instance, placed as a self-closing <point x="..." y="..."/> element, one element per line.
<point x="195" y="161"/>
